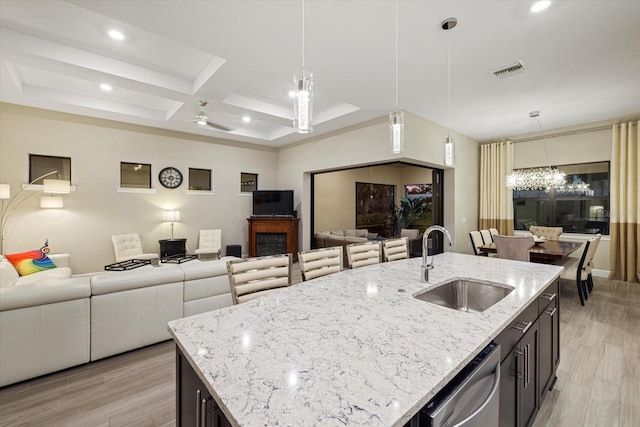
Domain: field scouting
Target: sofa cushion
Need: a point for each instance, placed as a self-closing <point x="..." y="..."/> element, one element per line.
<point x="44" y="292"/>
<point x="198" y="269"/>
<point x="363" y="232"/>
<point x="116" y="281"/>
<point x="350" y="233"/>
<point x="8" y="274"/>
<point x="337" y="233"/>
<point x="30" y="262"/>
<point x="372" y="236"/>
<point x="45" y="276"/>
<point x="410" y="233"/>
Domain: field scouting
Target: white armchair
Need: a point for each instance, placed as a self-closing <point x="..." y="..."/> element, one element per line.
<point x="209" y="244"/>
<point x="129" y="246"/>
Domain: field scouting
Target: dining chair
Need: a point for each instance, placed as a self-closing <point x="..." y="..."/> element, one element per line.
<point x="209" y="243"/>
<point x="494" y="232"/>
<point x="250" y="278"/>
<point x="576" y="269"/>
<point x="361" y="254"/>
<point x="486" y="236"/>
<point x="129" y="246"/>
<point x="549" y="233"/>
<point x="514" y="247"/>
<point x="476" y="242"/>
<point x="320" y="262"/>
<point x="394" y="249"/>
<point x="591" y="264"/>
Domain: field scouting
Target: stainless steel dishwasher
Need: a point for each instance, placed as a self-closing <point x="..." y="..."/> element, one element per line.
<point x="472" y="398"/>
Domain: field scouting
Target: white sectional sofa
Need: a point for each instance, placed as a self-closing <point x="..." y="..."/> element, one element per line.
<point x="52" y="320"/>
<point x="44" y="321"/>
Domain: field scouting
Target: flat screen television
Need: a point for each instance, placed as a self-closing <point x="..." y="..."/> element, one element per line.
<point x="273" y="203"/>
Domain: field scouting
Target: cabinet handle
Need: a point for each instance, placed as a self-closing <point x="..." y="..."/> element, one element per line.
<point x="551" y="312"/>
<point x="526" y="371"/>
<point x="203" y="412"/>
<point x="521" y="375"/>
<point x="198" y="408"/>
<point x="524" y="329"/>
<point x="550" y="297"/>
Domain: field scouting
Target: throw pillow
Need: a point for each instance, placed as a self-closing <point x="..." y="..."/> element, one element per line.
<point x="30" y="262"/>
<point x="350" y="233"/>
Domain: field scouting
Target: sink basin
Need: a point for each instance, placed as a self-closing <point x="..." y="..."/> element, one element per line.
<point x="465" y="294"/>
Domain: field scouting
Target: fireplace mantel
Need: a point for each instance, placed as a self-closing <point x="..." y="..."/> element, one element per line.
<point x="269" y="225"/>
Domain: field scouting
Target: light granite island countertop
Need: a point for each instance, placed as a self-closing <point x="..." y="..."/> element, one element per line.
<point x="352" y="348"/>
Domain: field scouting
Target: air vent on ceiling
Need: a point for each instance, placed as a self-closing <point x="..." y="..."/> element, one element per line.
<point x="509" y="70"/>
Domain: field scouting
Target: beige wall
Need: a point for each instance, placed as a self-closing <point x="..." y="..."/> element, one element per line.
<point x="96" y="210"/>
<point x="369" y="144"/>
<point x="335" y="192"/>
<point x="582" y="147"/>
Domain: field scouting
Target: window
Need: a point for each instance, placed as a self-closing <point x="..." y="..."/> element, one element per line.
<point x="43" y="165"/>
<point x="199" y="179"/>
<point x="248" y="182"/>
<point x="581" y="206"/>
<point x="135" y="175"/>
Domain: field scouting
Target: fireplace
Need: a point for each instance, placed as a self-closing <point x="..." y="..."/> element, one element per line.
<point x="271" y="244"/>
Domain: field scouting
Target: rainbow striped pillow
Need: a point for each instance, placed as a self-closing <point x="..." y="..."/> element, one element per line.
<point x="30" y="262"/>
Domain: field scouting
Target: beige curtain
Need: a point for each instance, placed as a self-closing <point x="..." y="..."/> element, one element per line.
<point x="496" y="200"/>
<point x="625" y="203"/>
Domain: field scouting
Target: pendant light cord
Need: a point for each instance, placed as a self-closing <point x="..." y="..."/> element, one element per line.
<point x="449" y="86"/>
<point x="396" y="54"/>
<point x="302" y="35"/>
<point x="544" y="142"/>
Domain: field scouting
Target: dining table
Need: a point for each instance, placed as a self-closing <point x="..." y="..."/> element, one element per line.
<point x="543" y="252"/>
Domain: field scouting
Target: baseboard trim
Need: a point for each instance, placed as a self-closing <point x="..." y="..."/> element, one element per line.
<point x="600" y="273"/>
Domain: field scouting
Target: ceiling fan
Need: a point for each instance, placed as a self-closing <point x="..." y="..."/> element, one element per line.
<point x="202" y="119"/>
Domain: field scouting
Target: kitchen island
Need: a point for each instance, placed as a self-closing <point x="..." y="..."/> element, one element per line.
<point x="352" y="348"/>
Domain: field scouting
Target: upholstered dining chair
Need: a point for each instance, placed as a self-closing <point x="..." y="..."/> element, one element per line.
<point x="476" y="241"/>
<point x="578" y="268"/>
<point x="393" y="249"/>
<point x="129" y="246"/>
<point x="320" y="262"/>
<point x="209" y="243"/>
<point x="361" y="254"/>
<point x="494" y="232"/>
<point x="514" y="247"/>
<point x="486" y="236"/>
<point x="250" y="278"/>
<point x="591" y="264"/>
<point x="549" y="233"/>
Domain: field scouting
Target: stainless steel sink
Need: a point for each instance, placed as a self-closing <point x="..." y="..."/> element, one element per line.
<point x="465" y="295"/>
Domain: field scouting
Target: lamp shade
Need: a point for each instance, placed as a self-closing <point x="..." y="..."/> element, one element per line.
<point x="51" y="202"/>
<point x="5" y="191"/>
<point x="448" y="150"/>
<point x="56" y="186"/>
<point x="172" y="216"/>
<point x="303" y="102"/>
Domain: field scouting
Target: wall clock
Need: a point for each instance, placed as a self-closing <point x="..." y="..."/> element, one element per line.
<point x="170" y="177"/>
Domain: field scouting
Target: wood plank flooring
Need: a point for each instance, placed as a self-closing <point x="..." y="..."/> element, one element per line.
<point x="598" y="377"/>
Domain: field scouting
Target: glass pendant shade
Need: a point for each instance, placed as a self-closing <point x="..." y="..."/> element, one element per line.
<point x="449" y="150"/>
<point x="51" y="202"/>
<point x="303" y="102"/>
<point x="396" y="131"/>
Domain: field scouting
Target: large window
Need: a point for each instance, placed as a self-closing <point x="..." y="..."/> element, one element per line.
<point x="581" y="206"/>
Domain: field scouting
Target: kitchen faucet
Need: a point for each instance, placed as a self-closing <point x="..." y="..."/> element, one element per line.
<point x="425" y="254"/>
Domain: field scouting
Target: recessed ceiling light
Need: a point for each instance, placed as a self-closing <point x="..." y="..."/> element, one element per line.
<point x="539" y="6"/>
<point x="246" y="119"/>
<point x="116" y="35"/>
<point x="292" y="93"/>
<point x="106" y="87"/>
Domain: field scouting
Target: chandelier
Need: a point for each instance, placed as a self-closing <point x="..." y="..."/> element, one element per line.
<point x="540" y="178"/>
<point x="575" y="189"/>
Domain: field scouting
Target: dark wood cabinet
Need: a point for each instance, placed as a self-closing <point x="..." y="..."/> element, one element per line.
<point x="171" y="247"/>
<point x="273" y="236"/>
<point x="531" y="352"/>
<point x="194" y="404"/>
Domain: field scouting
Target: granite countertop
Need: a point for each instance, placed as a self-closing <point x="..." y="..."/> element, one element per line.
<point x="350" y="348"/>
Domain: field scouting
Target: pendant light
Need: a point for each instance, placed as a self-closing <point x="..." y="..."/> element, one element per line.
<point x="449" y="142"/>
<point x="540" y="178"/>
<point x="303" y="94"/>
<point x="396" y="117"/>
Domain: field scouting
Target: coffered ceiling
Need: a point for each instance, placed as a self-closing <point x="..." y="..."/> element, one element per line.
<point x="581" y="63"/>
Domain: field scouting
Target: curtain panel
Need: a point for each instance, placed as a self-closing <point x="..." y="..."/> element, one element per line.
<point x="496" y="199"/>
<point x="625" y="199"/>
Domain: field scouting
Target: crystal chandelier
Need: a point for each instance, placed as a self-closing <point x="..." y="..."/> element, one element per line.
<point x="540" y="178"/>
<point x="575" y="189"/>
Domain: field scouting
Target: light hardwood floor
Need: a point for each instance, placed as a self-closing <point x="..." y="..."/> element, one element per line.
<point x="598" y="377"/>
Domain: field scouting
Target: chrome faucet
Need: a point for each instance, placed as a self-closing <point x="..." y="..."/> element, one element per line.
<point x="425" y="253"/>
